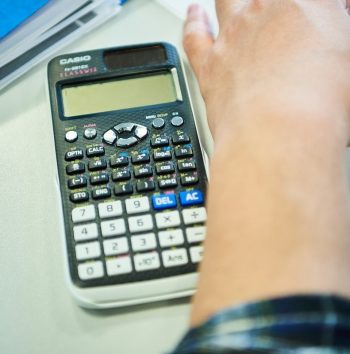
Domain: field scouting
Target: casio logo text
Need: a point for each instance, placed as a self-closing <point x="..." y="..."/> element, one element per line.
<point x="74" y="60"/>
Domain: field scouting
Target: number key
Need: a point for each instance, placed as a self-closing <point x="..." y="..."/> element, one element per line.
<point x="113" y="227"/>
<point x="144" y="242"/>
<point x="90" y="270"/>
<point x="85" y="213"/>
<point x="85" y="232"/>
<point x="107" y="210"/>
<point x="137" y="205"/>
<point x="140" y="223"/>
<point x="87" y="251"/>
<point x="115" y="246"/>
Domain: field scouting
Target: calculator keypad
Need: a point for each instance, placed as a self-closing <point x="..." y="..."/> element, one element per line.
<point x="142" y="211"/>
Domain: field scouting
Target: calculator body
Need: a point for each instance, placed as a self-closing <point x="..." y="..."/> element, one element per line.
<point x="131" y="174"/>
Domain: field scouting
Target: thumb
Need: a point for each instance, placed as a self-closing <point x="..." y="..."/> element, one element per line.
<point x="197" y="37"/>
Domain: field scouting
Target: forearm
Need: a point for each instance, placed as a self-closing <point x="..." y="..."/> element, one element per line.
<point x="279" y="212"/>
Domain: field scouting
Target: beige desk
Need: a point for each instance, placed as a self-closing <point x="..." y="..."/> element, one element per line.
<point x="37" y="314"/>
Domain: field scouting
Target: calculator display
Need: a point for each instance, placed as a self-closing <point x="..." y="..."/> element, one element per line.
<point x="125" y="93"/>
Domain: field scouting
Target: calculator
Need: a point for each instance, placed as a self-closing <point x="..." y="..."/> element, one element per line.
<point x="131" y="174"/>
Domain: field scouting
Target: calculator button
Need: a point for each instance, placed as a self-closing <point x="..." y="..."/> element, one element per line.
<point x="168" y="219"/>
<point x="192" y="216"/>
<point x="143" y="171"/>
<point x="158" y="123"/>
<point x="167" y="183"/>
<point x="90" y="270"/>
<point x="146" y="261"/>
<point x="115" y="246"/>
<point x="141" y="131"/>
<point x="183" y="151"/>
<point x="71" y="136"/>
<point x="177" y="121"/>
<point x="123" y="188"/>
<point x="193" y="197"/>
<point x="140" y="158"/>
<point x="196" y="254"/>
<point x="121" y="174"/>
<point x="119" y="161"/>
<point x="77" y="182"/>
<point x="181" y="139"/>
<point x="195" y="234"/>
<point x="163" y="201"/>
<point x="171" y="238"/>
<point x="85" y="232"/>
<point x="95" y="165"/>
<point x="114" y="227"/>
<point x="124" y="127"/>
<point x="126" y="142"/>
<point x="85" y="213"/>
<point x="90" y="133"/>
<point x="174" y="258"/>
<point x="94" y="151"/>
<point x="120" y="265"/>
<point x="165" y="168"/>
<point x="110" y="137"/>
<point x="87" y="251"/>
<point x="189" y="179"/>
<point x="162" y="154"/>
<point x="144" y="242"/>
<point x="110" y="209"/>
<point x="186" y="165"/>
<point x="145" y="186"/>
<point x="101" y="193"/>
<point x="159" y="141"/>
<point x="79" y="197"/>
<point x="74" y="168"/>
<point x="74" y="154"/>
<point x="99" y="178"/>
<point x="137" y="205"/>
<point x="140" y="223"/>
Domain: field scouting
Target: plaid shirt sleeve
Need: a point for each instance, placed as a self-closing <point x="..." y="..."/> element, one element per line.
<point x="296" y="324"/>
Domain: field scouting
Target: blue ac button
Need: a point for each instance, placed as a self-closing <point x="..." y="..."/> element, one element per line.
<point x="164" y="201"/>
<point x="191" y="198"/>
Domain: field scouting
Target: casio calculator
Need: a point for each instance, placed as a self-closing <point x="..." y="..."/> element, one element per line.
<point x="131" y="174"/>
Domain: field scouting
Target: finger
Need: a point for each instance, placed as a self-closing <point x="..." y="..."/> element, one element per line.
<point x="197" y="37"/>
<point x="225" y="8"/>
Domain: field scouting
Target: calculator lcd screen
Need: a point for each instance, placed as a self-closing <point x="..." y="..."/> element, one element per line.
<point x="124" y="93"/>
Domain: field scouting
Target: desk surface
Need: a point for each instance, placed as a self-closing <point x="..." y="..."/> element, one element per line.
<point x="38" y="314"/>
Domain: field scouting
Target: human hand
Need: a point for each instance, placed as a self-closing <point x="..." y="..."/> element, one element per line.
<point x="290" y="57"/>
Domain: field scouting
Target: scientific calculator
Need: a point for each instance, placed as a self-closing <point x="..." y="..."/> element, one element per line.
<point x="131" y="174"/>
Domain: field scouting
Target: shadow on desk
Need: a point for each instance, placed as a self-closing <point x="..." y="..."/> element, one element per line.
<point x="136" y="308"/>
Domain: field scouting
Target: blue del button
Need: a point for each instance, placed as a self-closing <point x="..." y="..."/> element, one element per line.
<point x="191" y="198"/>
<point x="164" y="201"/>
